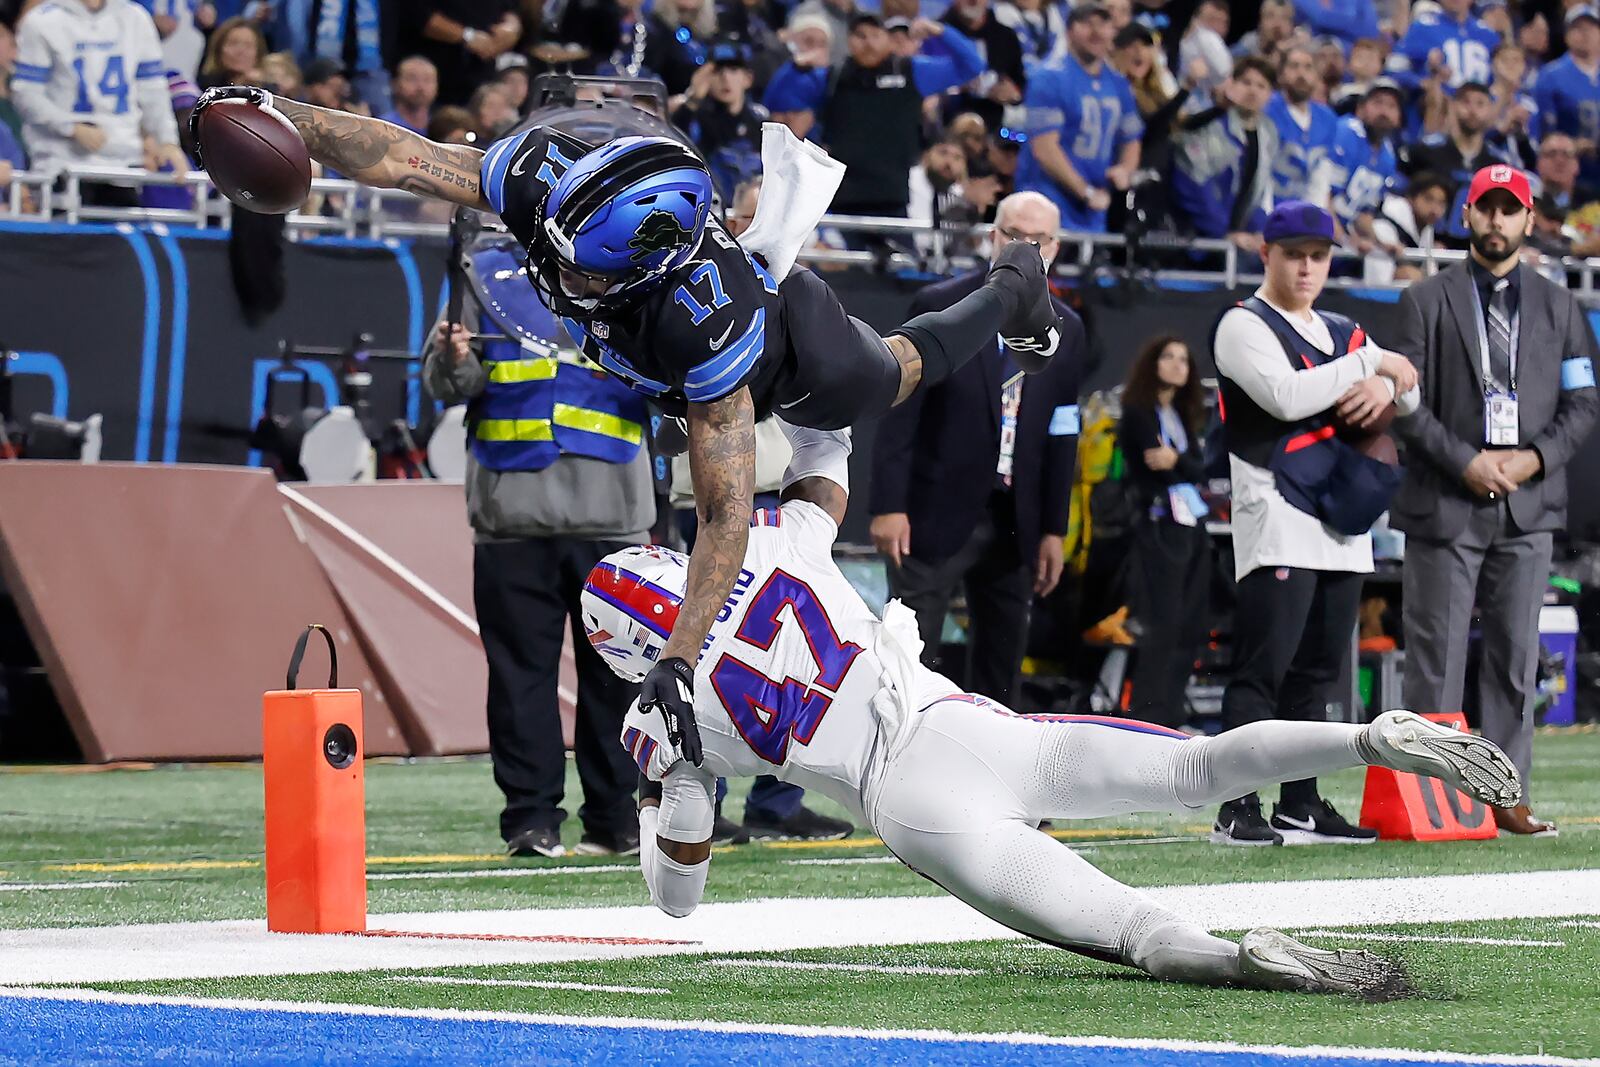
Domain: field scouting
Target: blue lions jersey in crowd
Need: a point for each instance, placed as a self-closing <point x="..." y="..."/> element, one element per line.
<point x="1095" y="114"/>
<point x="706" y="329"/>
<point x="1466" y="47"/>
<point x="1360" y="171"/>
<point x="1301" y="149"/>
<point x="1569" y="101"/>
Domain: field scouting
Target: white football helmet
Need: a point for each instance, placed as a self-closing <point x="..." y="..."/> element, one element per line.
<point x="630" y="605"/>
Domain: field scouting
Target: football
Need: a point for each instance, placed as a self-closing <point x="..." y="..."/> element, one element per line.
<point x="255" y="156"/>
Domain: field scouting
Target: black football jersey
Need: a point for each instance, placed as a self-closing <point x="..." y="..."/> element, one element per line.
<point x="707" y="328"/>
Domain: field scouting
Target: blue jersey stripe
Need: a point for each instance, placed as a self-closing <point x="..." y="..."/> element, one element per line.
<point x="731" y="365"/>
<point x="495" y="169"/>
<point x="27" y="72"/>
<point x="153" y="68"/>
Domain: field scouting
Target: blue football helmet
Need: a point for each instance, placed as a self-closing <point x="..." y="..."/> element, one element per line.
<point x="616" y="222"/>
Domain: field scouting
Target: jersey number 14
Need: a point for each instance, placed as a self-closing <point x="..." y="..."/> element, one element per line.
<point x="769" y="712"/>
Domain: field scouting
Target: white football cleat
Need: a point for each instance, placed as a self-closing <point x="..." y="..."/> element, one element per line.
<point x="1474" y="765"/>
<point x="1270" y="959"/>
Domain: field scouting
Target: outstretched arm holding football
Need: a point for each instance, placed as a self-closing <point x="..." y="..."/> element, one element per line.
<point x="368" y="150"/>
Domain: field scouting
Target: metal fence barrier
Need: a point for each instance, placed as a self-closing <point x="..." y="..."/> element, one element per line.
<point x="353" y="210"/>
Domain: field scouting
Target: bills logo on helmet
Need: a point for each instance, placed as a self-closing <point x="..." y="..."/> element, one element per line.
<point x="659" y="232"/>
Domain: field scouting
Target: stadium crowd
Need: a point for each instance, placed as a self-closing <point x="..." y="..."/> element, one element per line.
<point x="1175" y="114"/>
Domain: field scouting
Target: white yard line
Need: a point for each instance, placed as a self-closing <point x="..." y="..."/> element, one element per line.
<point x="1583" y="924"/>
<point x="840" y="861"/>
<point x="503" y="872"/>
<point x="582" y="987"/>
<point x="865" y="968"/>
<point x="51" y="887"/>
<point x="1312" y="1052"/>
<point x="1509" y="942"/>
<point x="244" y="947"/>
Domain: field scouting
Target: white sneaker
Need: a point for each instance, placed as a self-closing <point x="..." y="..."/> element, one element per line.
<point x="1472" y="764"/>
<point x="1269" y="959"/>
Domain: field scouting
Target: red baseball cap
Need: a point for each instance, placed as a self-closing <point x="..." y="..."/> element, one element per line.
<point x="1501" y="176"/>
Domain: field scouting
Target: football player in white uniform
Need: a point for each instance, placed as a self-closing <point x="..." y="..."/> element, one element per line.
<point x="799" y="679"/>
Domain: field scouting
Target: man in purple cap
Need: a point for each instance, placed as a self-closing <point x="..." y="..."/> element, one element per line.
<point x="1285" y="370"/>
<point x="1508" y="396"/>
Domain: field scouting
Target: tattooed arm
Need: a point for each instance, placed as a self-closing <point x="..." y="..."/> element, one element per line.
<point x="381" y="154"/>
<point x="722" y="464"/>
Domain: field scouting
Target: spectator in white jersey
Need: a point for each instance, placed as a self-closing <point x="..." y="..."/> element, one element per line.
<point x="91" y="86"/>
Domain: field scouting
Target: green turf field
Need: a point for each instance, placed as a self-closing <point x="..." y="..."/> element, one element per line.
<point x="185" y="843"/>
<point x="1510" y="1000"/>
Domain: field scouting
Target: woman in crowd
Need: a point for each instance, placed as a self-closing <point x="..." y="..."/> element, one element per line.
<point x="1041" y="27"/>
<point x="234" y="55"/>
<point x="1163" y="417"/>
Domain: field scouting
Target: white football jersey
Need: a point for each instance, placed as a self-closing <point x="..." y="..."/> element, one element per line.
<point x="787" y="676"/>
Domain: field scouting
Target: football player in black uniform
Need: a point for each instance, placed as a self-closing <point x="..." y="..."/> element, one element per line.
<point x="621" y="244"/>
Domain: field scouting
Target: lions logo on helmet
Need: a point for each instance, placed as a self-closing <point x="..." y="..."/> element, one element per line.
<point x="659" y="232"/>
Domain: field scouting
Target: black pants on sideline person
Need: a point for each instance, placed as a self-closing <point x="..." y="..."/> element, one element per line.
<point x="525" y="591"/>
<point x="999" y="589"/>
<point x="1291" y="634"/>
<point x="1173" y="567"/>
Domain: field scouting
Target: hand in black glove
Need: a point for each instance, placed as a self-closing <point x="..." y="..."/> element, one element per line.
<point x="669" y="689"/>
<point x="250" y="94"/>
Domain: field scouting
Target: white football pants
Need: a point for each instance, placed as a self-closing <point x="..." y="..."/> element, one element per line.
<point x="961" y="805"/>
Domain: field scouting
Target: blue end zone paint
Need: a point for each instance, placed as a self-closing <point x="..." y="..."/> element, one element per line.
<point x="179" y="344"/>
<point x="72" y="1032"/>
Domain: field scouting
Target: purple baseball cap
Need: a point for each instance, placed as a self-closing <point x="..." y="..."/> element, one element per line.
<point x="1297" y="220"/>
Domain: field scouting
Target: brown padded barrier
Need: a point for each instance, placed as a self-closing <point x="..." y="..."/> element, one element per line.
<point x="164" y="600"/>
<point x="394" y="550"/>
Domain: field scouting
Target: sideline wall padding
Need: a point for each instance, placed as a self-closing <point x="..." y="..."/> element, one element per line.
<point x="164" y="600"/>
<point x="399" y="554"/>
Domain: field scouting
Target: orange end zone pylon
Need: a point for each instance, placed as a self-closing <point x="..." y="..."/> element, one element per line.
<point x="1408" y="807"/>
<point x="315" y="803"/>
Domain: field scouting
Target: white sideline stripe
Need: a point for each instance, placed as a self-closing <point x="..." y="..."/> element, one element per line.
<point x="157" y="951"/>
<point x="91" y="996"/>
<point x="1584" y="924"/>
<point x="865" y="968"/>
<point x="840" y="861"/>
<point x="582" y="987"/>
<point x="503" y="872"/>
<point x="1510" y="942"/>
<point x="25" y="887"/>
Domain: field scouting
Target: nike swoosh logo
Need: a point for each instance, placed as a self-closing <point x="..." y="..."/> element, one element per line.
<point x="719" y="342"/>
<point x="792" y="403"/>
<point x="516" y="167"/>
<point x="1299" y="824"/>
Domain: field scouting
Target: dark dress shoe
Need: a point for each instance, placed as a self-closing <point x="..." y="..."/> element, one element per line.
<point x="1522" y="820"/>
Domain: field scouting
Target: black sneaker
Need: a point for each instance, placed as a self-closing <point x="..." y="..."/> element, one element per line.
<point x="536" y="842"/>
<point x="1240" y="822"/>
<point x="1033" y="333"/>
<point x="1317" y="824"/>
<point x="803" y="825"/>
<point x="600" y="843"/>
<point x="725" y="831"/>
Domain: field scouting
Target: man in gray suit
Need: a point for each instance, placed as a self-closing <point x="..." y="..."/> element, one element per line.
<point x="1508" y="394"/>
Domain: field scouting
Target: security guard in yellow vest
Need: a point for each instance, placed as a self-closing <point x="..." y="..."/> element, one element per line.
<point x="556" y="478"/>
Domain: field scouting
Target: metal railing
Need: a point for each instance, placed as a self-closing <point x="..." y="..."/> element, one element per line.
<point x="349" y="209"/>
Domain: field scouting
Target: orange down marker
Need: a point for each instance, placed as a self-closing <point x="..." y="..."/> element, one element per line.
<point x="315" y="804"/>
<point x="1409" y="807"/>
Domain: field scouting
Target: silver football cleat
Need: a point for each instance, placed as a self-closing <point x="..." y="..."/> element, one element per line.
<point x="1472" y="764"/>
<point x="1270" y="959"/>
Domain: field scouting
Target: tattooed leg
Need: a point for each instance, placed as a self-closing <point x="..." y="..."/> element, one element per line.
<point x="910" y="360"/>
